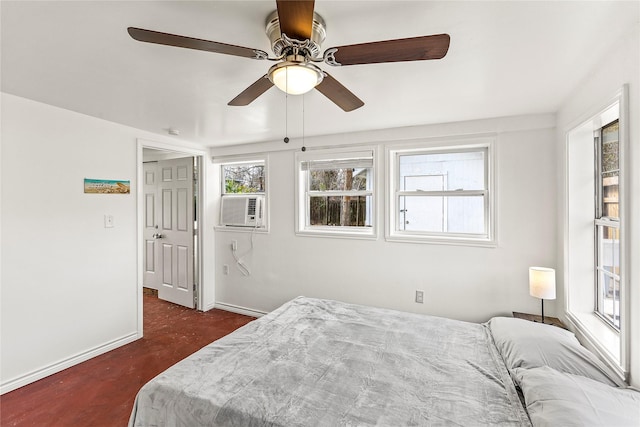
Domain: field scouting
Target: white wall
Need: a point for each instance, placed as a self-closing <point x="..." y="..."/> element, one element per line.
<point x="68" y="285"/>
<point x="620" y="66"/>
<point x="463" y="282"/>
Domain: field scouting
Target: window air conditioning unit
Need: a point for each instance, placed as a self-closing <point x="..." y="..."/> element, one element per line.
<point x="242" y="210"/>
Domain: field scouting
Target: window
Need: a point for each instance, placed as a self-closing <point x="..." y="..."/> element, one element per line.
<point x="243" y="178"/>
<point x="441" y="194"/>
<point x="607" y="224"/>
<point x="597" y="239"/>
<point x="336" y="193"/>
<point x="243" y="189"/>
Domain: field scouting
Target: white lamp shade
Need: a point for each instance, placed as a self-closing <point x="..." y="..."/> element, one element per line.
<point x="542" y="282"/>
<point x="295" y="79"/>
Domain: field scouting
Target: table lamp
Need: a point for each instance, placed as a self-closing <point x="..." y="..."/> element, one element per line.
<point x="542" y="284"/>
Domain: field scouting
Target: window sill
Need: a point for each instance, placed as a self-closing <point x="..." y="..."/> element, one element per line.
<point x="457" y="241"/>
<point x="600" y="337"/>
<point x="241" y="229"/>
<point x="337" y="234"/>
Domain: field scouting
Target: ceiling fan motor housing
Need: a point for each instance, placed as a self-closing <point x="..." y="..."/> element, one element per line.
<point x="281" y="46"/>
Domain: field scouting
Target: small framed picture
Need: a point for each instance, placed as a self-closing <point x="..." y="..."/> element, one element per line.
<point x="106" y="186"/>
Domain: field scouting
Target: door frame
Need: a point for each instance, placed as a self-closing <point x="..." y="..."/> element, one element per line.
<point x="201" y="234"/>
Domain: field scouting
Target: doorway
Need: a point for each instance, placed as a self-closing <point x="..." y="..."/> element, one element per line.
<point x="170" y="203"/>
<point x="170" y="226"/>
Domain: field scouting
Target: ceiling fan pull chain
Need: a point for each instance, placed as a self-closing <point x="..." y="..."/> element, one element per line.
<point x="286" y="116"/>
<point x="303" y="147"/>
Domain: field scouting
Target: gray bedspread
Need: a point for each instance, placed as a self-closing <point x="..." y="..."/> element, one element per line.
<point x="315" y="362"/>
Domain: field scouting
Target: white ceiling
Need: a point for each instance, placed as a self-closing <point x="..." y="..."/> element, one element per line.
<point x="506" y="58"/>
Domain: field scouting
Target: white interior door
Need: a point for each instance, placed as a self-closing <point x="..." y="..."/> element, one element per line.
<point x="175" y="220"/>
<point x="151" y="277"/>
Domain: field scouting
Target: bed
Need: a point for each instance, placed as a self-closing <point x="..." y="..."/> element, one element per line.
<point x="327" y="363"/>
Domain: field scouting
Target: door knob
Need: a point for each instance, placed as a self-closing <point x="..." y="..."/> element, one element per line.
<point x="157" y="236"/>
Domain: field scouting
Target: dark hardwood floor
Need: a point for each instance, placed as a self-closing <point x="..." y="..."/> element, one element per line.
<point x="101" y="391"/>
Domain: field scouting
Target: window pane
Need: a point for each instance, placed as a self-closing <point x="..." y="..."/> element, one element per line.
<point x="610" y="205"/>
<point x="607" y="286"/>
<point x="424" y="182"/>
<point x="422" y="213"/>
<point x="338" y="179"/>
<point x="613" y="235"/>
<point x="466" y="214"/>
<point x="443" y="171"/>
<point x="608" y="293"/>
<point x="610" y="164"/>
<point x="442" y="214"/>
<point x="609" y="249"/>
<point x="345" y="211"/>
<point x="610" y="157"/>
<point x="243" y="178"/>
<point x="611" y="302"/>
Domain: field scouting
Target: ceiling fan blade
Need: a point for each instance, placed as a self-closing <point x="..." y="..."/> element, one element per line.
<point x="250" y="94"/>
<point x="296" y="18"/>
<point x="338" y="94"/>
<point x="156" y="37"/>
<point x="410" y="49"/>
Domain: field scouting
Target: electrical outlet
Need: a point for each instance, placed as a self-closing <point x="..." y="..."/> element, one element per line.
<point x="234" y="245"/>
<point x="225" y="269"/>
<point x="420" y="297"/>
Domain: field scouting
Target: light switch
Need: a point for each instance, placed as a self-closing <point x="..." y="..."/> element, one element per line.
<point x="108" y="221"/>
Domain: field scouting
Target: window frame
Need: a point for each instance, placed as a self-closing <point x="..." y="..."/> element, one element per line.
<point x="222" y="161"/>
<point x="303" y="194"/>
<point x="601" y="221"/>
<point x="579" y="266"/>
<point x="486" y="143"/>
<point x="261" y="162"/>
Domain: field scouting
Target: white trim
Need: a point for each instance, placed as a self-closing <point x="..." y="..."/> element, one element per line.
<point x="447" y="240"/>
<point x="240" y="158"/>
<point x="202" y="219"/>
<point x="335" y="234"/>
<point x="301" y="217"/>
<point x="596" y="333"/>
<point x="624" y="186"/>
<point x="219" y="161"/>
<point x="441" y="145"/>
<point x="239" y="310"/>
<point x="328" y="154"/>
<point x="592" y="337"/>
<point x="240" y="229"/>
<point x="177" y="147"/>
<point x="63" y="364"/>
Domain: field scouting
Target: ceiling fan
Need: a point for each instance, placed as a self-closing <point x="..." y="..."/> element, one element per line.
<point x="296" y="33"/>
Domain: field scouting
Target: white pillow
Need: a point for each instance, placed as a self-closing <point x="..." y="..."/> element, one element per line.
<point x="526" y="344"/>
<point x="559" y="399"/>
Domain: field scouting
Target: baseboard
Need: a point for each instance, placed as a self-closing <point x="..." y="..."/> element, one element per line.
<point x="239" y="310"/>
<point x="38" y="374"/>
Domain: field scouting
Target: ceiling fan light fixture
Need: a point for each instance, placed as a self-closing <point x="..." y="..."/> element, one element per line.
<point x="295" y="78"/>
